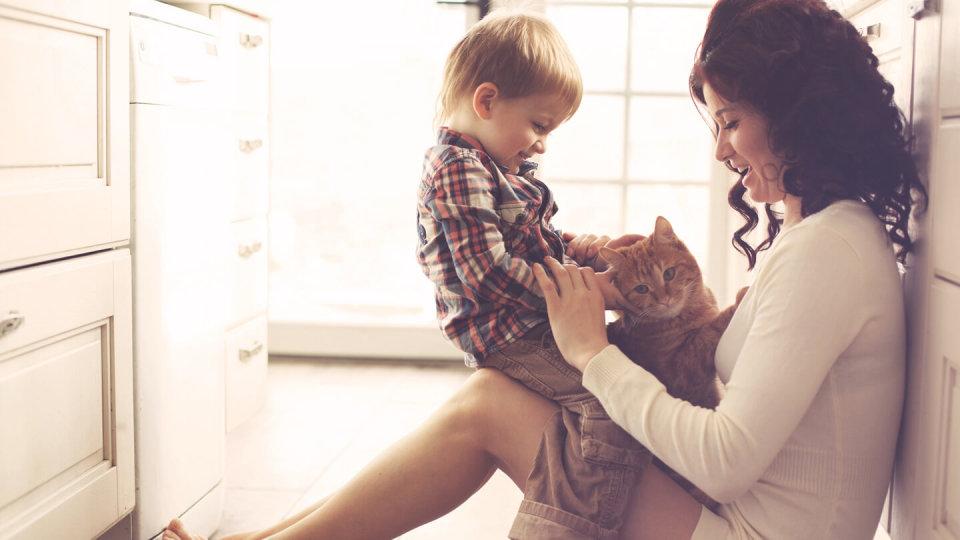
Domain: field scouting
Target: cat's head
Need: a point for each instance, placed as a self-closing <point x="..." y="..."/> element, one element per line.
<point x="657" y="275"/>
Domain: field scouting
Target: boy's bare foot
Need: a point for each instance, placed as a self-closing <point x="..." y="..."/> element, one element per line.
<point x="176" y="530"/>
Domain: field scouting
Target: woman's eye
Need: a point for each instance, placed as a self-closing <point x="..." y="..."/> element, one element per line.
<point x="731" y="125"/>
<point x="642" y="289"/>
<point x="539" y="128"/>
<point x="669" y="273"/>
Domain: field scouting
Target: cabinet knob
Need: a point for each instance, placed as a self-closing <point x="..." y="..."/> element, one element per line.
<point x="253" y="350"/>
<point x="246" y="250"/>
<point x="249" y="145"/>
<point x="869" y="33"/>
<point x="916" y="8"/>
<point x="11" y="322"/>
<point x="250" y="41"/>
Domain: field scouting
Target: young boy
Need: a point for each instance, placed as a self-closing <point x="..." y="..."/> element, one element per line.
<point x="483" y="220"/>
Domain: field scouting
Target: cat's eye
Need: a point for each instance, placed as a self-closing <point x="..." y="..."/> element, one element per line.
<point x="642" y="289"/>
<point x="669" y="273"/>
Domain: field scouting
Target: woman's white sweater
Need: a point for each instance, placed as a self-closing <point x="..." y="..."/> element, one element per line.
<point x="802" y="443"/>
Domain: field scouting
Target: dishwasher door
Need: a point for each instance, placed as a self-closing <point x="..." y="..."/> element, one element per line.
<point x="179" y="147"/>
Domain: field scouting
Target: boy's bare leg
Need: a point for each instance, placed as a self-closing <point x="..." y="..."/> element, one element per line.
<point x="491" y="422"/>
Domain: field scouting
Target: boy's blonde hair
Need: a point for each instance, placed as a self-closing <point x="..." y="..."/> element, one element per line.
<point x="520" y="52"/>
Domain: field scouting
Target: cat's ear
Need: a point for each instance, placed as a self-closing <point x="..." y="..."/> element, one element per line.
<point x="613" y="257"/>
<point x="663" y="231"/>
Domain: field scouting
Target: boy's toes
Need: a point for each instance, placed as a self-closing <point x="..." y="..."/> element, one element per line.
<point x="176" y="530"/>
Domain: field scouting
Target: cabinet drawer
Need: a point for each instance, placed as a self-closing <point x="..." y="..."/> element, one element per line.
<point x="249" y="171"/>
<point x="246" y="370"/>
<point x="64" y="156"/>
<point x="950" y="59"/>
<point x="244" y="43"/>
<point x="945" y="220"/>
<point x="881" y="24"/>
<point x="943" y="403"/>
<point x="66" y="395"/>
<point x="248" y="270"/>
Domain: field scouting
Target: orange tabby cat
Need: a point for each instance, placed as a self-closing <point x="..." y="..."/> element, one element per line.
<point x="672" y="324"/>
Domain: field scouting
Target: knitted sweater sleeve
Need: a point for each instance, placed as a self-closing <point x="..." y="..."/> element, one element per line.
<point x="808" y="306"/>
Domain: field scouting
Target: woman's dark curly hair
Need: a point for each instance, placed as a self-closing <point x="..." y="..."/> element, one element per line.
<point x="830" y="114"/>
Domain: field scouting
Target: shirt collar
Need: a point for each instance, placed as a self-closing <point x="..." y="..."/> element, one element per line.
<point x="455" y="138"/>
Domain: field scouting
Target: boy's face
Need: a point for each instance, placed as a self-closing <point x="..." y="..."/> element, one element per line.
<point x="516" y="129"/>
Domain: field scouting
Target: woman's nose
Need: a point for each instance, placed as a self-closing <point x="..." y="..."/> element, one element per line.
<point x="722" y="151"/>
<point x="540" y="146"/>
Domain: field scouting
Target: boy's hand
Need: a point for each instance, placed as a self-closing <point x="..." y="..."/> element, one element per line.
<point x="585" y="249"/>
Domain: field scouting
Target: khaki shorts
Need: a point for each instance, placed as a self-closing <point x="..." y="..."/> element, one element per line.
<point x="586" y="464"/>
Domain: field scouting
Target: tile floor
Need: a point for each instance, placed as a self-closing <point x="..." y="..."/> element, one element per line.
<point x="323" y="421"/>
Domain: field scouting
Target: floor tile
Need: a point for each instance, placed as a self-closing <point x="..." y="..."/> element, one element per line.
<point x="323" y="422"/>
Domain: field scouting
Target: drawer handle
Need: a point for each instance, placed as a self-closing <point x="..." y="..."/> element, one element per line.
<point x="246" y="250"/>
<point x="251" y="41"/>
<point x="11" y="322"/>
<point x="870" y="33"/>
<point x="249" y="145"/>
<point x="247" y="354"/>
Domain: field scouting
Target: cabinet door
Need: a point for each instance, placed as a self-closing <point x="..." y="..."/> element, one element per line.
<point x="246" y="368"/>
<point x="943" y="402"/>
<point x="247" y="273"/>
<point x="886" y="26"/>
<point x="66" y="412"/>
<point x="245" y="50"/>
<point x="64" y="138"/>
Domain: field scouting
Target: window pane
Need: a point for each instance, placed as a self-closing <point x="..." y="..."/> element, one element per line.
<point x="597" y="36"/>
<point x="347" y="161"/>
<point x="668" y="140"/>
<point x="686" y="207"/>
<point x="588" y="208"/>
<point x="590" y="145"/>
<point x="663" y="47"/>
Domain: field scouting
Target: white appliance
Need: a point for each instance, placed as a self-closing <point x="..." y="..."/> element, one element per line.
<point x="180" y="296"/>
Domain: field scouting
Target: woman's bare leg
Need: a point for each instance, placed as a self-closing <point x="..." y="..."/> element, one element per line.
<point x="660" y="509"/>
<point x="492" y="422"/>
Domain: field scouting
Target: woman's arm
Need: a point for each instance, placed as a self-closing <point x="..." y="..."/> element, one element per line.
<point x="808" y="309"/>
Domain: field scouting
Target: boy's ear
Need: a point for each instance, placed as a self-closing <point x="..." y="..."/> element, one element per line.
<point x="483" y="98"/>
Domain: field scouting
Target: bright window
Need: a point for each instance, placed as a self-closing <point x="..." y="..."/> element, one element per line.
<point x="637" y="148"/>
<point x="354" y="87"/>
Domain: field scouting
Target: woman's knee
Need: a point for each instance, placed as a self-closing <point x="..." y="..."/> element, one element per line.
<point x="479" y="403"/>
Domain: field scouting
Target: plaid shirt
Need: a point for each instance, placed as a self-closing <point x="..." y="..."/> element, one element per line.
<point x="480" y="229"/>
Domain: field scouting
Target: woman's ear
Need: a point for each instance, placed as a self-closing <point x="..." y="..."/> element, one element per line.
<point x="483" y="98"/>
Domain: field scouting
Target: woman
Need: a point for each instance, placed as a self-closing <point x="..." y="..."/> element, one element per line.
<point x="802" y="443"/>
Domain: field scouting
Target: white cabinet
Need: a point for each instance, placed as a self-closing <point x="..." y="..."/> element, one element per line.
<point x="66" y="375"/>
<point x="66" y="414"/>
<point x="943" y="360"/>
<point x="926" y="487"/>
<point x="244" y="49"/>
<point x="64" y="158"/>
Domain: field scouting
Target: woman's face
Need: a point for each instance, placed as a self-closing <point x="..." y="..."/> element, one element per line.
<point x="742" y="142"/>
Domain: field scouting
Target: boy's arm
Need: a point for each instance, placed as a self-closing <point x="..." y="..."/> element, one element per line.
<point x="463" y="202"/>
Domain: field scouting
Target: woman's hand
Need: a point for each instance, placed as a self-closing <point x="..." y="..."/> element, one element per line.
<point x="575" y="307"/>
